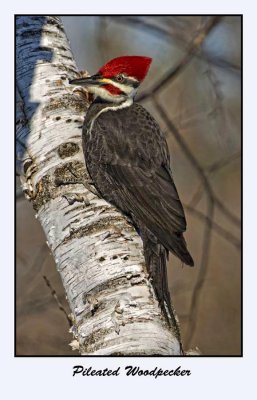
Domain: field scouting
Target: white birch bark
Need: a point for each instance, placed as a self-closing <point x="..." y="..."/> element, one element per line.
<point x="97" y="251"/>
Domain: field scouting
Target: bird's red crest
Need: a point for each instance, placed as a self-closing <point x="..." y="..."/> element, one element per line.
<point x="134" y="66"/>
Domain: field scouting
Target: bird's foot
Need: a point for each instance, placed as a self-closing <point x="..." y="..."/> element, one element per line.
<point x="86" y="182"/>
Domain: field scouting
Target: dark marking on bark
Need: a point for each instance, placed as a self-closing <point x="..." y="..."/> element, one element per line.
<point x="99" y="226"/>
<point x="135" y="275"/>
<point x="93" y="302"/>
<point x="58" y="82"/>
<point x="67" y="57"/>
<point x="73" y="197"/>
<point x="27" y="164"/>
<point x="38" y="19"/>
<point x="55" y="22"/>
<point x="67" y="149"/>
<point x="67" y="68"/>
<point x="81" y="208"/>
<point x="63" y="48"/>
<point x="68" y="120"/>
<point x="30" y="33"/>
<point x="43" y="192"/>
<point x="22" y="121"/>
<point x="64" y="176"/>
<point x="46" y="188"/>
<point x="66" y="101"/>
<point x="92" y="208"/>
<point x="70" y="210"/>
<point x="42" y="49"/>
<point x="83" y="93"/>
<point x="95" y="340"/>
<point x="112" y="284"/>
<point x="137" y="281"/>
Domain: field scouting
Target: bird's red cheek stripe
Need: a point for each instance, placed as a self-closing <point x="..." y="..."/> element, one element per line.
<point x="112" y="89"/>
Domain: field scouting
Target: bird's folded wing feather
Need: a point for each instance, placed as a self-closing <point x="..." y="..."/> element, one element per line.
<point x="151" y="196"/>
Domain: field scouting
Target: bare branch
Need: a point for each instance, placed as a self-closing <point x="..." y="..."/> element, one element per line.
<point x="203" y="269"/>
<point x="179" y="67"/>
<point x="216" y="166"/>
<point x="59" y="304"/>
<point x="158" y="31"/>
<point x="228" y="236"/>
<point x="209" y="171"/>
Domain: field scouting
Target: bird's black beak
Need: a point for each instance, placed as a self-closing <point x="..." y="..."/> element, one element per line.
<point x="87" y="81"/>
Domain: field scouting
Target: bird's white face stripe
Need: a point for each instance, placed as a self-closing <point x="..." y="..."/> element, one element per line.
<point x="123" y="88"/>
<point x="133" y="79"/>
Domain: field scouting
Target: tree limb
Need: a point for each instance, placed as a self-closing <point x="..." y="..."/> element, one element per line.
<point x="193" y="48"/>
<point x="97" y="251"/>
<point x="159" y="31"/>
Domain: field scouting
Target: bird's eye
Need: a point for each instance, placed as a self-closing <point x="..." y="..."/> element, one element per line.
<point x="120" y="78"/>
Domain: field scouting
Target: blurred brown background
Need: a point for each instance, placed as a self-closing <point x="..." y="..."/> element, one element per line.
<point x="203" y="100"/>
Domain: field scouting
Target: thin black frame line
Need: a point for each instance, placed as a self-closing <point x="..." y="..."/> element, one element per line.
<point x="128" y="15"/>
<point x="241" y="196"/>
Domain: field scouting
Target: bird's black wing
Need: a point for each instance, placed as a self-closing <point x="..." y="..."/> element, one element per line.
<point x="151" y="197"/>
<point x="137" y="164"/>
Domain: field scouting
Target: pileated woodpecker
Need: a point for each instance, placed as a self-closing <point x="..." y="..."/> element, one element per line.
<point x="128" y="160"/>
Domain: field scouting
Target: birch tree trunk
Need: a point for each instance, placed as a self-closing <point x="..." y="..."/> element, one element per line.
<point x="97" y="251"/>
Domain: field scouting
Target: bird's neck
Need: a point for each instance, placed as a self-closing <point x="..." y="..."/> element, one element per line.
<point x="100" y="106"/>
<point x="108" y="104"/>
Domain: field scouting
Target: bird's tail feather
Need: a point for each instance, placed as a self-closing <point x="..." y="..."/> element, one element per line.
<point x="156" y="262"/>
<point x="179" y="248"/>
<point x="175" y="243"/>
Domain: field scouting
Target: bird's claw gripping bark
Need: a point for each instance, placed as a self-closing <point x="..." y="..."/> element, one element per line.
<point x="87" y="183"/>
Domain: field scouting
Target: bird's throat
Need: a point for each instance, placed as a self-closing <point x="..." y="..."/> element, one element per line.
<point x="105" y="107"/>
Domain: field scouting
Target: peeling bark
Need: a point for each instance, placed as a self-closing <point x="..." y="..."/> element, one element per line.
<point x="97" y="251"/>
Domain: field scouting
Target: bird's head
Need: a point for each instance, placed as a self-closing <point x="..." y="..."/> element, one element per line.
<point x="118" y="80"/>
